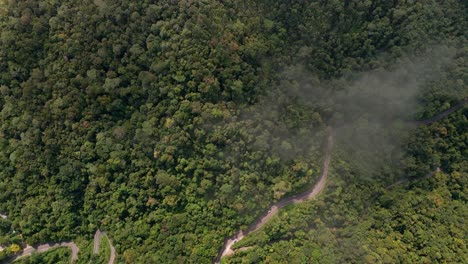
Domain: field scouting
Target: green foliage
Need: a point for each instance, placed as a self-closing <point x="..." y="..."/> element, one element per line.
<point x="147" y="119"/>
<point x="422" y="222"/>
<point x="361" y="221"/>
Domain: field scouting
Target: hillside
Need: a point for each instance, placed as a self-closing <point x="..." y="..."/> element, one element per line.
<point x="172" y="125"/>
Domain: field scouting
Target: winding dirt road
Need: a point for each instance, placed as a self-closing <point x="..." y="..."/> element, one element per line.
<point x="28" y="251"/>
<point x="226" y="250"/>
<point x="97" y="243"/>
<point x="230" y="241"/>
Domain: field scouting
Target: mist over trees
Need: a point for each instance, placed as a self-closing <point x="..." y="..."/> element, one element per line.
<point x="172" y="124"/>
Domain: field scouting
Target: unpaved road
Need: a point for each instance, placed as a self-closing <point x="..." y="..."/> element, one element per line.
<point x="97" y="243"/>
<point x="226" y="250"/>
<point x="29" y="250"/>
<point x="46" y="247"/>
<point x="229" y="242"/>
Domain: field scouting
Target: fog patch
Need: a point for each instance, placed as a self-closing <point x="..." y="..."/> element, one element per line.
<point x="368" y="110"/>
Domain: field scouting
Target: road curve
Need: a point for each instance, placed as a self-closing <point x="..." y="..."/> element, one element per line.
<point x="97" y="243"/>
<point x="315" y="189"/>
<point x="29" y="250"/>
<point x="230" y="241"/>
<point x="226" y="250"/>
<point x="48" y="246"/>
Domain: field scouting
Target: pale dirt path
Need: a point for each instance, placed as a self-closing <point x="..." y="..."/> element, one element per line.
<point x="226" y="250"/>
<point x="229" y="242"/>
<point x="29" y="250"/>
<point x="97" y="243"/>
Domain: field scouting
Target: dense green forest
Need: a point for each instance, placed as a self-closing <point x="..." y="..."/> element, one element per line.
<point x="173" y="124"/>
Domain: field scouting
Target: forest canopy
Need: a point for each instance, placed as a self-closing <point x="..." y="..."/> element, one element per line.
<point x="173" y="124"/>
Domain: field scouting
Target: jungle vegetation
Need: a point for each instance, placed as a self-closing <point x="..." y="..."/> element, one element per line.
<point x="172" y="124"/>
